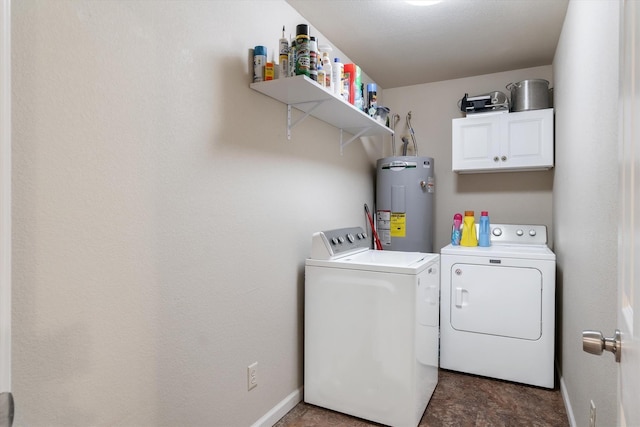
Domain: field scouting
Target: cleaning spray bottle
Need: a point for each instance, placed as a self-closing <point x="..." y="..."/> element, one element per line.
<point x="455" y="230"/>
<point x="469" y="237"/>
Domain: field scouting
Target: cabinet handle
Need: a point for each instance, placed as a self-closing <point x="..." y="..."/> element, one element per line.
<point x="496" y="159"/>
<point x="503" y="158"/>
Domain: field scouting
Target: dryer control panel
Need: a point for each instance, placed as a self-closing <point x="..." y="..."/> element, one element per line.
<point x="339" y="242"/>
<point x="518" y="234"/>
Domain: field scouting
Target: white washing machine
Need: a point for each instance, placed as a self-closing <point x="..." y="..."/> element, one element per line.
<point x="497" y="314"/>
<point x="370" y="328"/>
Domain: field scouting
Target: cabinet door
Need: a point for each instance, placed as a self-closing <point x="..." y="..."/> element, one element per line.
<point x="475" y="142"/>
<point x="527" y="140"/>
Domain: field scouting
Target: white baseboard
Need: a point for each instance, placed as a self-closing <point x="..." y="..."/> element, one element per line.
<point x="280" y="410"/>
<point x="567" y="402"/>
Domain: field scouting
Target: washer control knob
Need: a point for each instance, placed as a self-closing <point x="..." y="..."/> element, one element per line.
<point x="497" y="232"/>
<point x="532" y="232"/>
<point x="350" y="238"/>
<point x="519" y="232"/>
<point x="364" y="235"/>
<point x="341" y="239"/>
<point x="334" y="241"/>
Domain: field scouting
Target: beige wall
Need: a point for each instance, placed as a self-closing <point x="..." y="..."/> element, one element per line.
<point x="510" y="197"/>
<point x="161" y="217"/>
<point x="585" y="197"/>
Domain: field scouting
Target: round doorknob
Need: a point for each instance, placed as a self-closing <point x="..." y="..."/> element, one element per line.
<point x="595" y="343"/>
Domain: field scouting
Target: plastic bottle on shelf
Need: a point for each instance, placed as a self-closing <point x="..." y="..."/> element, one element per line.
<point x="346" y="85"/>
<point x="326" y="66"/>
<point x="484" y="233"/>
<point x="469" y="237"/>
<point x="350" y="78"/>
<point x="322" y="81"/>
<point x="358" y="102"/>
<point x="455" y="230"/>
<point x="269" y="71"/>
<point x="337" y="74"/>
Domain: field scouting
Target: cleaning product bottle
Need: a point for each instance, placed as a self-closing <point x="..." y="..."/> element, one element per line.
<point x="455" y="230"/>
<point x="357" y="100"/>
<point x="337" y="74"/>
<point x="326" y="65"/>
<point x="484" y="234"/>
<point x="469" y="237"/>
<point x="350" y="77"/>
<point x="346" y="84"/>
<point x="322" y="81"/>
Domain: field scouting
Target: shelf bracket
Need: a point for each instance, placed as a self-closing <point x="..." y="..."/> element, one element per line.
<point x="291" y="125"/>
<point x="354" y="137"/>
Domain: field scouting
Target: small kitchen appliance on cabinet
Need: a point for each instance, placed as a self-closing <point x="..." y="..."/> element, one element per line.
<point x="497" y="313"/>
<point x="405" y="189"/>
<point x="371" y="328"/>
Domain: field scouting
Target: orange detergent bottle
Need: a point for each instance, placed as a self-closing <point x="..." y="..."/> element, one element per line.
<point x="469" y="237"/>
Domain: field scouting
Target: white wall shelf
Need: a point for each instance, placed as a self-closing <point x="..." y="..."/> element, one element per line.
<point x="313" y="100"/>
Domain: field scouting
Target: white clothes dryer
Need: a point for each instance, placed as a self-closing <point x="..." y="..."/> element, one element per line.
<point x="497" y="313"/>
<point x="370" y="328"/>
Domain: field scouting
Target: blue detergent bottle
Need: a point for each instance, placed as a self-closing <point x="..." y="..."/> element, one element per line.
<point x="484" y="233"/>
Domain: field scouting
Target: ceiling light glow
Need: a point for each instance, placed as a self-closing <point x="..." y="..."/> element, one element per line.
<point x="423" y="2"/>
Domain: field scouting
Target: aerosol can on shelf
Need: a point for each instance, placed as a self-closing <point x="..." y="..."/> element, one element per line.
<point x="303" y="57"/>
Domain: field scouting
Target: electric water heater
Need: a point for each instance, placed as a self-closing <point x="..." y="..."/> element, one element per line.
<point x="405" y="189"/>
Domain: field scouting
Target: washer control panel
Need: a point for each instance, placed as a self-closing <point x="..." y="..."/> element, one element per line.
<point x="341" y="241"/>
<point x="520" y="234"/>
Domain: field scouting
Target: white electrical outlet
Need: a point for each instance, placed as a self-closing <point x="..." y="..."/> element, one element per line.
<point x="592" y="414"/>
<point x="252" y="375"/>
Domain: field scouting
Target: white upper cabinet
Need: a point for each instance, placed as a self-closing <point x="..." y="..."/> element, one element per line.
<point x="503" y="142"/>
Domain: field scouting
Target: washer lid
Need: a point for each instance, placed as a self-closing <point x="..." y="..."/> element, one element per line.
<point x="502" y="251"/>
<point x="382" y="261"/>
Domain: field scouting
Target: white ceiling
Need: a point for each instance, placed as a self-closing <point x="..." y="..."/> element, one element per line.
<point x="398" y="44"/>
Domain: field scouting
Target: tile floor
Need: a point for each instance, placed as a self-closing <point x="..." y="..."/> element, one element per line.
<point x="460" y="400"/>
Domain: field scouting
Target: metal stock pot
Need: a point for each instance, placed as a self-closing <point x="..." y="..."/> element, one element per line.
<point x="530" y="94"/>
